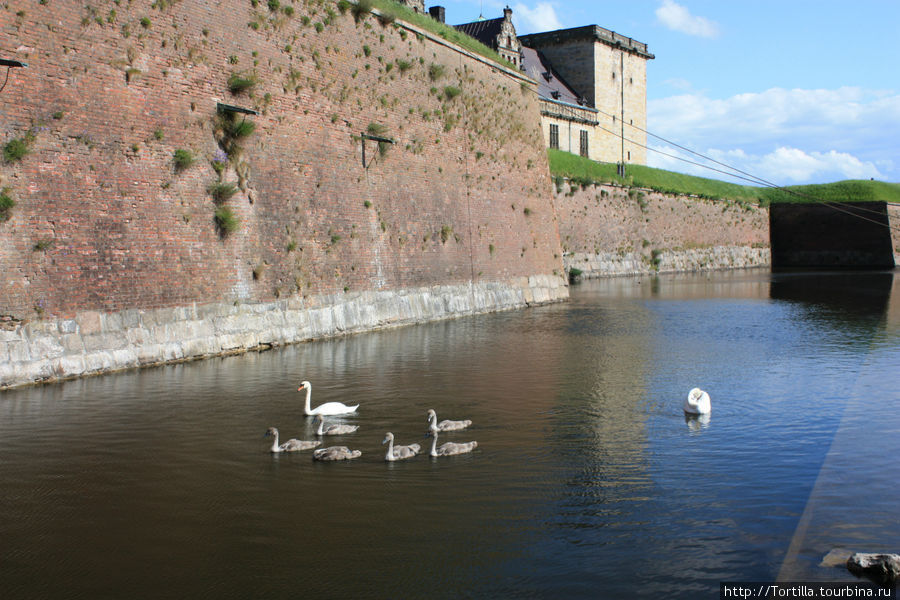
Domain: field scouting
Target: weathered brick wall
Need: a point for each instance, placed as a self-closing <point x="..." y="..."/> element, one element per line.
<point x="609" y="220"/>
<point x="103" y="221"/>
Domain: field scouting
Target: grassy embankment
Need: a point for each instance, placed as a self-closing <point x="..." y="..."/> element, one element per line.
<point x="582" y="171"/>
<point x="392" y="11"/>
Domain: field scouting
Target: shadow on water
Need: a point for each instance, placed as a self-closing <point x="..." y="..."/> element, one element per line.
<point x="858" y="299"/>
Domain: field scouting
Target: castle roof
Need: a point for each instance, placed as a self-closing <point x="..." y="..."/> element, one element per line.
<point x="485" y="31"/>
<point x="551" y="86"/>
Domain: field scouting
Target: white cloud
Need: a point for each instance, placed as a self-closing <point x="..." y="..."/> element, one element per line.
<point x="783" y="166"/>
<point x="785" y="136"/>
<point x="678" y="18"/>
<point x="540" y="18"/>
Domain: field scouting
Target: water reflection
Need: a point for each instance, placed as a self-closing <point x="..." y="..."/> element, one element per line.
<point x="697" y="423"/>
<point x="588" y="479"/>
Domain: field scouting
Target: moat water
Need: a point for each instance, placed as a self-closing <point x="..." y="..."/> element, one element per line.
<point x="588" y="480"/>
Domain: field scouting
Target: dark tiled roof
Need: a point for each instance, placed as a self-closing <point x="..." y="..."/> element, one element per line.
<point x="485" y="31"/>
<point x="550" y="85"/>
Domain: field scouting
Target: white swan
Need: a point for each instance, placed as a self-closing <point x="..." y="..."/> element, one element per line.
<point x="332" y="429"/>
<point x="291" y="445"/>
<point x="450" y="448"/>
<point x="445" y="425"/>
<point x="697" y="402"/>
<point x="329" y="408"/>
<point x="398" y="452"/>
<point x="336" y="453"/>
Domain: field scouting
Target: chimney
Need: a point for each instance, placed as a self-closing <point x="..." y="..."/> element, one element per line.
<point x="437" y="13"/>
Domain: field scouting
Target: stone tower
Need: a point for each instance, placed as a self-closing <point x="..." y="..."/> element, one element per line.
<point x="610" y="71"/>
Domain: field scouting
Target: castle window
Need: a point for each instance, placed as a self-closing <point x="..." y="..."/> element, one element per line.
<point x="554" y="136"/>
<point x="584" y="143"/>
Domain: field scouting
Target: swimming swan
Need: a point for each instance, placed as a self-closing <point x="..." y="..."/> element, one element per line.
<point x="450" y="448"/>
<point x="697" y="402"/>
<point x="329" y="408"/>
<point x="336" y="453"/>
<point x="398" y="452"/>
<point x="445" y="425"/>
<point x="291" y="445"/>
<point x="333" y="429"/>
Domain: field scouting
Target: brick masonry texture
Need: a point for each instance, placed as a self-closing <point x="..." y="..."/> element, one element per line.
<point x="609" y="230"/>
<point x="104" y="222"/>
<point x="111" y="257"/>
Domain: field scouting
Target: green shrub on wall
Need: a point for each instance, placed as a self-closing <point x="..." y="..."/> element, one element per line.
<point x="238" y="83"/>
<point x="226" y="221"/>
<point x="15" y="150"/>
<point x="182" y="159"/>
<point x="6" y="205"/>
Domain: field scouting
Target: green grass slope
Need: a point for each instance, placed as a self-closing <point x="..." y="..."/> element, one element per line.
<point x="583" y="171"/>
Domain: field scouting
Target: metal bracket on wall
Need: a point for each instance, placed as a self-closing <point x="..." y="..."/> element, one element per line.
<point x="375" y="138"/>
<point x="9" y="64"/>
<point x="228" y="109"/>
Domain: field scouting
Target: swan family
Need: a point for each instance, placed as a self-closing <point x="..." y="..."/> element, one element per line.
<point x="697" y="403"/>
<point x="395" y="452"/>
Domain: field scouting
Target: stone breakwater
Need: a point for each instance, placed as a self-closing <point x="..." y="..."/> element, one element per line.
<point x="94" y="342"/>
<point x="606" y="264"/>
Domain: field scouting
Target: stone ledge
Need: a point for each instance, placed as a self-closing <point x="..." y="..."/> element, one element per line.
<point x="94" y="342"/>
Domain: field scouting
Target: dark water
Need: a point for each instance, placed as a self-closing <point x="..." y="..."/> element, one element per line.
<point x="588" y="480"/>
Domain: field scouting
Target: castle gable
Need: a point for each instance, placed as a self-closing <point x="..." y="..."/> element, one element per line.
<point x="497" y="34"/>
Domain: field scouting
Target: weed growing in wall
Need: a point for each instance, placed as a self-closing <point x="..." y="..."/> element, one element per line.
<point x="451" y="92"/>
<point x="221" y="192"/>
<point x="226" y="221"/>
<point x="238" y="82"/>
<point x="6" y="205"/>
<point x="219" y="161"/>
<point x="16" y="148"/>
<point x="435" y="71"/>
<point x="182" y="159"/>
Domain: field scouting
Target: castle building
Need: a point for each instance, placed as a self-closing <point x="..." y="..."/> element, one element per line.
<point x="498" y="34"/>
<point x="606" y="71"/>
<point x="592" y="85"/>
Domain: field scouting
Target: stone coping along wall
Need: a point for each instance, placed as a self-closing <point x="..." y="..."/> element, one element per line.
<point x="100" y="342"/>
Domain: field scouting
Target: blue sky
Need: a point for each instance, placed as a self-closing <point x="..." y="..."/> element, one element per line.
<point x="792" y="91"/>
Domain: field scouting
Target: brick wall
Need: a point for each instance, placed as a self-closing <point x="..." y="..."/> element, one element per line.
<point x="609" y="220"/>
<point x="103" y="221"/>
